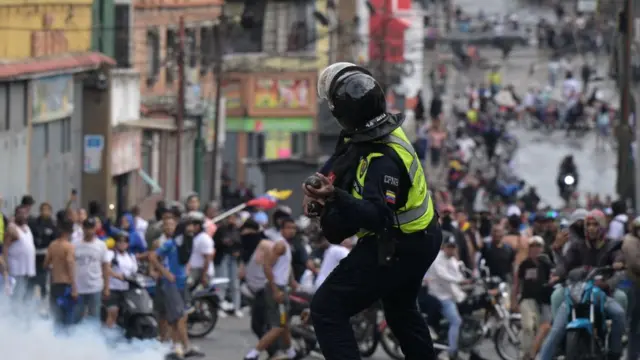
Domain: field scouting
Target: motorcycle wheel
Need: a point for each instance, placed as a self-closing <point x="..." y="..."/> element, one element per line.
<point x="366" y="333"/>
<point x="142" y="328"/>
<point x="501" y="339"/>
<point x="390" y="344"/>
<point x="205" y="315"/>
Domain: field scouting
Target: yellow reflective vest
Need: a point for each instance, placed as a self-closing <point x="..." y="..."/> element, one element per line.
<point x="2" y="225"/>
<point x="417" y="212"/>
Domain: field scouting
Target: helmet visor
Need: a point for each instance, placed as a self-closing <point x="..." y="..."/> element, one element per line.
<point x="327" y="76"/>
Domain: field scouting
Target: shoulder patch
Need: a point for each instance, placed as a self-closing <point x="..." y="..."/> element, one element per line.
<point x="364" y="164"/>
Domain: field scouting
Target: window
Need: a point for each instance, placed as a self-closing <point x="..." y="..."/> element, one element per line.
<point x="172" y="46"/>
<point x="45" y="129"/>
<point x="206" y="49"/>
<point x="301" y="33"/>
<point x="147" y="155"/>
<point x="248" y="34"/>
<point x="65" y="135"/>
<point x="122" y="24"/>
<point x="153" y="56"/>
<point x="192" y="47"/>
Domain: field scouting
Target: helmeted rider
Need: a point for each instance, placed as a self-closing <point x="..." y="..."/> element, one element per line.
<point x="595" y="251"/>
<point x="567" y="168"/>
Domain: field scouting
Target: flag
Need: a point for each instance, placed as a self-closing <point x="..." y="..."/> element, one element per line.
<point x="266" y="202"/>
<point x="280" y="194"/>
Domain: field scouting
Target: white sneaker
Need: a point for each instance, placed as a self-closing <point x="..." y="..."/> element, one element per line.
<point x="238" y="314"/>
<point x="222" y="314"/>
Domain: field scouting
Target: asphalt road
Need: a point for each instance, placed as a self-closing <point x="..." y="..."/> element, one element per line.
<point x="232" y="338"/>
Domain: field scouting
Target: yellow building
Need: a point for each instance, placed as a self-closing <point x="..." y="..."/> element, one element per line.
<point x="44" y="27"/>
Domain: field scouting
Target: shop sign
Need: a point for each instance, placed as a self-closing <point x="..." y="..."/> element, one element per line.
<point x="282" y="93"/>
<point x="294" y="124"/>
<point x="51" y="98"/>
<point x="126" y="149"/>
<point x="93" y="147"/>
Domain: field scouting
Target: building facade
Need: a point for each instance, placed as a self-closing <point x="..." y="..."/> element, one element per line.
<point x="45" y="76"/>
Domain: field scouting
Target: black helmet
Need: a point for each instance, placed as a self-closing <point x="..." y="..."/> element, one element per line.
<point x="355" y="98"/>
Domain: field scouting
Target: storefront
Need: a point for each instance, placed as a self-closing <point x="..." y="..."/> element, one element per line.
<point x="269" y="116"/>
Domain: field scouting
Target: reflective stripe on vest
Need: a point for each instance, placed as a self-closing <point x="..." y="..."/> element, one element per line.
<point x="418" y="211"/>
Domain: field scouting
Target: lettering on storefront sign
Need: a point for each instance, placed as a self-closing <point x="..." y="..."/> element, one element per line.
<point x="273" y="93"/>
<point x="52" y="98"/>
<point x="125" y="152"/>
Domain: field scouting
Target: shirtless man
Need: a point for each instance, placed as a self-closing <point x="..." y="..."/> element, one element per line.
<point x="60" y="258"/>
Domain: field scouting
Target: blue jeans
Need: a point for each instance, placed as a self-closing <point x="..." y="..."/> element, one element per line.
<point x="229" y="268"/>
<point x="613" y="311"/>
<point x="89" y="304"/>
<point x="557" y="297"/>
<point x="450" y="312"/>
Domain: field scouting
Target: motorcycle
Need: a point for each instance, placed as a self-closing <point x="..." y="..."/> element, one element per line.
<point x="587" y="332"/>
<point x="206" y="303"/>
<point x="135" y="315"/>
<point x="492" y="299"/>
<point x="568" y="187"/>
<point x="304" y="337"/>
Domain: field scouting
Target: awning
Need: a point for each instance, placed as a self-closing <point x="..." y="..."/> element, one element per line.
<point x="51" y="65"/>
<point x="155" y="187"/>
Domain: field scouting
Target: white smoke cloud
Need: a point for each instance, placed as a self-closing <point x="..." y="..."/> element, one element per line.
<point x="26" y="336"/>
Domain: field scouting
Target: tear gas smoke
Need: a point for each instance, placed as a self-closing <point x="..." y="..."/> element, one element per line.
<point x="27" y="336"/>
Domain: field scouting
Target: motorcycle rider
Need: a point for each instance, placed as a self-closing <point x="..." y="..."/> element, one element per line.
<point x="444" y="277"/>
<point x="595" y="251"/>
<point x="567" y="168"/>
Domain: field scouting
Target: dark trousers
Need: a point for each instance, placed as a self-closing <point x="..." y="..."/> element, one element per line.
<point x="359" y="280"/>
<point x="633" y="351"/>
<point x="259" y="324"/>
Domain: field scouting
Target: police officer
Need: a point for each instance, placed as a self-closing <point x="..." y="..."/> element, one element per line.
<point x="372" y="186"/>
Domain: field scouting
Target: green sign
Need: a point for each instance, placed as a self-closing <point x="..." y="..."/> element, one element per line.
<point x="269" y="124"/>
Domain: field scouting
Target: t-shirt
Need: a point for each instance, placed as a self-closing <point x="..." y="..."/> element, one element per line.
<point x="203" y="245"/>
<point x="90" y="255"/>
<point x="499" y="259"/>
<point x="533" y="276"/>
<point x="121" y="264"/>
<point x="169" y="252"/>
<point x="332" y="257"/>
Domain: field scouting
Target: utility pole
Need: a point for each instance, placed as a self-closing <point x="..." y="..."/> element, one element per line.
<point x="180" y="106"/>
<point x="217" y="45"/>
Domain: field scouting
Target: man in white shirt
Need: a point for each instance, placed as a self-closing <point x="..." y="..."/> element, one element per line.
<point x="141" y="225"/>
<point x="123" y="265"/>
<point x="200" y="266"/>
<point x="332" y="256"/>
<point x="617" y="226"/>
<point x="444" y="277"/>
<point x="92" y="272"/>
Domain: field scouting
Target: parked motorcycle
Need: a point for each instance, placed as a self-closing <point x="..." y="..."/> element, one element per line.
<point x="206" y="303"/>
<point x="135" y="314"/>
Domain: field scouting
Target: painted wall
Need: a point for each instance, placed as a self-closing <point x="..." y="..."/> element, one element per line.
<point x="14" y="145"/>
<point x="56" y="159"/>
<point x="22" y="35"/>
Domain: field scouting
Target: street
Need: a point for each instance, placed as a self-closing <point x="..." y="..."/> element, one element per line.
<point x="232" y="338"/>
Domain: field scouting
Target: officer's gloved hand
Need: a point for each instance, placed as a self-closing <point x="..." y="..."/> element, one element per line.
<point x="312" y="207"/>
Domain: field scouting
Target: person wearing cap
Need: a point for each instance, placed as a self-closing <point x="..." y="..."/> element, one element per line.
<point x="92" y="272"/>
<point x="530" y="284"/>
<point x="200" y="264"/>
<point x="595" y="251"/>
<point x="444" y="277"/>
<point x="373" y="186"/>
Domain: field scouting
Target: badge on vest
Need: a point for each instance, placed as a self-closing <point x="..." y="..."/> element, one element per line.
<point x="390" y="196"/>
<point x="364" y="164"/>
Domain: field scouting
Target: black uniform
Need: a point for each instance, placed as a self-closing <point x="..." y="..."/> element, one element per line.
<point x="363" y="277"/>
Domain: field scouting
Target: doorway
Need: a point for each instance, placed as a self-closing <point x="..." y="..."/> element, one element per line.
<point x="122" y="193"/>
